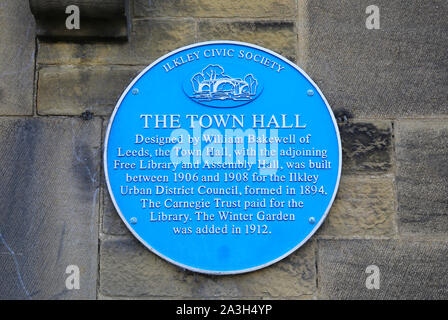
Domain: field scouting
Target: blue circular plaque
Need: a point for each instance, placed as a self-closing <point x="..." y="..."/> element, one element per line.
<point x="222" y="157"/>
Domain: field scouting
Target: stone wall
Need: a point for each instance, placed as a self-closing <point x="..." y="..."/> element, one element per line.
<point x="388" y="89"/>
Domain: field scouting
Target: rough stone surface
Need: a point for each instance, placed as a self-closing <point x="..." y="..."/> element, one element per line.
<point x="400" y="70"/>
<point x="74" y="53"/>
<point x="112" y="223"/>
<point x="366" y="146"/>
<point x="149" y="40"/>
<point x="70" y="90"/>
<point x="215" y="8"/>
<point x="154" y="38"/>
<point x="364" y="206"/>
<point x="128" y="269"/>
<point x="98" y="19"/>
<point x="17" y="46"/>
<point x="408" y="269"/>
<point x="422" y="177"/>
<point x="279" y="36"/>
<point x="48" y="206"/>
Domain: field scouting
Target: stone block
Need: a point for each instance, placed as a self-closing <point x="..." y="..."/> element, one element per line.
<point x="366" y="146"/>
<point x="149" y="40"/>
<point x="97" y="19"/>
<point x="422" y="177"/>
<point x="279" y="36"/>
<point x="49" y="206"/>
<point x="407" y="269"/>
<point x="397" y="71"/>
<point x="364" y="206"/>
<point x="215" y="8"/>
<point x="17" y="59"/>
<point x="112" y="223"/>
<point x="72" y="90"/>
<point x="128" y="269"/>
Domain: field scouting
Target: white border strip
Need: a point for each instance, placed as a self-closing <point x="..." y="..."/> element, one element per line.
<point x="199" y="44"/>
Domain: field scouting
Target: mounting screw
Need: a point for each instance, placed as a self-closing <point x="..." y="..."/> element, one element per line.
<point x="135" y="91"/>
<point x="310" y="93"/>
<point x="312" y="220"/>
<point x="133" y="220"/>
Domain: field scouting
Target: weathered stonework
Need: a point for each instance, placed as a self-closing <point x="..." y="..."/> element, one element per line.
<point x="215" y="8"/>
<point x="128" y="269"/>
<point x="408" y="269"/>
<point x="71" y="90"/>
<point x="111" y="221"/>
<point x="279" y="36"/>
<point x="399" y="70"/>
<point x="364" y="206"/>
<point x="49" y="204"/>
<point x="150" y="40"/>
<point x="422" y="178"/>
<point x="366" y="146"/>
<point x="154" y="38"/>
<point x="97" y="19"/>
<point x="17" y="48"/>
